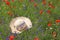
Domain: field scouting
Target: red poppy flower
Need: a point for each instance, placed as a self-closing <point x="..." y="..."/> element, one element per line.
<point x="36" y="38"/>
<point x="12" y="0"/>
<point x="51" y="6"/>
<point x="41" y="11"/>
<point x="49" y="24"/>
<point x="44" y="2"/>
<point x="57" y="21"/>
<point x="8" y="3"/>
<point x="48" y="11"/>
<point x="11" y="37"/>
<point x="35" y="4"/>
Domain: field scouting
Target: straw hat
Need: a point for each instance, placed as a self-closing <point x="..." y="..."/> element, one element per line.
<point x="19" y="24"/>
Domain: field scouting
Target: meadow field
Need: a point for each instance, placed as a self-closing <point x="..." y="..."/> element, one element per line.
<point x="44" y="14"/>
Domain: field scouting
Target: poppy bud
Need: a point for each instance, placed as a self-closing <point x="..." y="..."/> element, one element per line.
<point x="32" y="0"/>
<point x="49" y="24"/>
<point x="51" y="6"/>
<point x="48" y="11"/>
<point x="54" y="34"/>
<point x="35" y="4"/>
<point x="41" y="11"/>
<point x="44" y="2"/>
<point x="36" y="38"/>
<point x="9" y="13"/>
<point x="12" y="0"/>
